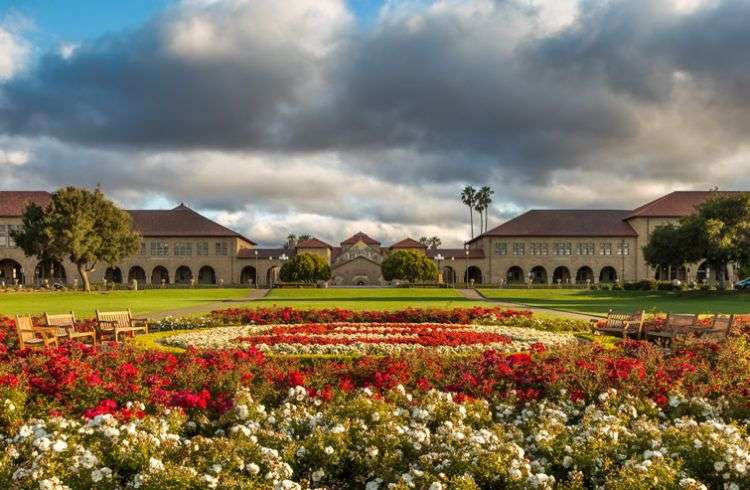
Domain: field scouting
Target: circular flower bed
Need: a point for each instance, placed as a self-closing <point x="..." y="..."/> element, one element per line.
<point x="367" y="338"/>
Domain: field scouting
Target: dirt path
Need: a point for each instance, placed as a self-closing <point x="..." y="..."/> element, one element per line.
<point x="253" y="295"/>
<point x="475" y="295"/>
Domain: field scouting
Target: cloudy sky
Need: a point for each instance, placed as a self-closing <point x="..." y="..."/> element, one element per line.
<point x="329" y="117"/>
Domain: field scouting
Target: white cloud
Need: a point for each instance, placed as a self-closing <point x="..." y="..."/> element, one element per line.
<point x="14" y="52"/>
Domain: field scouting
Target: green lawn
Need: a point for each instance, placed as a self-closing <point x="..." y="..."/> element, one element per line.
<point x="84" y="304"/>
<point x="599" y="302"/>
<point x="366" y="298"/>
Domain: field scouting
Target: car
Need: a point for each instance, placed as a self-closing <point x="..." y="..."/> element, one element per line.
<point x="743" y="284"/>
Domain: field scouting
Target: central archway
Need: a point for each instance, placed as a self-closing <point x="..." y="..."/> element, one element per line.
<point x="183" y="275"/>
<point x="514" y="275"/>
<point x="561" y="275"/>
<point x="538" y="275"/>
<point x="160" y="275"/>
<point x="11" y="272"/>
<point x="113" y="274"/>
<point x="473" y="273"/>
<point x="49" y="270"/>
<point x="584" y="274"/>
<point x="248" y="275"/>
<point x="206" y="275"/>
<point x="608" y="274"/>
<point x="138" y="274"/>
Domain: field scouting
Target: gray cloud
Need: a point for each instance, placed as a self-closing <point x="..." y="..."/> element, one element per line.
<point x="267" y="113"/>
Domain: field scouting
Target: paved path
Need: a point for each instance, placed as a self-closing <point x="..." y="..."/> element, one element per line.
<point x="475" y="295"/>
<point x="206" y="307"/>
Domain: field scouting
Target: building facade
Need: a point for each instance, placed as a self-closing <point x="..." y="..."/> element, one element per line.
<point x="180" y="246"/>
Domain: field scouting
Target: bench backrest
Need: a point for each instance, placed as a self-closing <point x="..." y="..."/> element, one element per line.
<point x="62" y="320"/>
<point x="24" y="329"/>
<point x="681" y="322"/>
<point x="122" y="318"/>
<point x="617" y="320"/>
<point x="723" y="323"/>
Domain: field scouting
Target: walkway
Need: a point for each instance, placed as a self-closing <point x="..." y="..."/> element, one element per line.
<point x="475" y="295"/>
<point x="254" y="294"/>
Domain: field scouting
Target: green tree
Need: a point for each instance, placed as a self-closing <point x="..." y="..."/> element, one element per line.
<point x="469" y="198"/>
<point x="718" y="232"/>
<point x="483" y="201"/>
<point x="432" y="242"/>
<point x="305" y="267"/>
<point x="410" y="266"/>
<point x="79" y="224"/>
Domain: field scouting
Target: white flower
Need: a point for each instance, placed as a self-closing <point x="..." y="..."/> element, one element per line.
<point x="210" y="481"/>
<point x="372" y="451"/>
<point x="155" y="464"/>
<point x="318" y="475"/>
<point x="59" y="446"/>
<point x="328" y="450"/>
<point x="436" y="486"/>
<point x="253" y="469"/>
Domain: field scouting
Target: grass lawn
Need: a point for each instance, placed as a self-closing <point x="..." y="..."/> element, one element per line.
<point x="366" y="298"/>
<point x="599" y="302"/>
<point x="84" y="304"/>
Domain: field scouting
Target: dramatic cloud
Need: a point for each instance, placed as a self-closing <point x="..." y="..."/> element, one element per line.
<point x="14" y="50"/>
<point x="281" y="117"/>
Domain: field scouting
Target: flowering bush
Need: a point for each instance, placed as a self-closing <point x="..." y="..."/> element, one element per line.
<point x="267" y="316"/>
<point x="367" y="338"/>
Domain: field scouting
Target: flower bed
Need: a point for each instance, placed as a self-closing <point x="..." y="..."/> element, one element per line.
<point x="367" y="338"/>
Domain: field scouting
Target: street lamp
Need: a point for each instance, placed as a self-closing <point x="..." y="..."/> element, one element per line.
<point x="255" y="279"/>
<point x="453" y="272"/>
<point x="439" y="257"/>
<point x="466" y="272"/>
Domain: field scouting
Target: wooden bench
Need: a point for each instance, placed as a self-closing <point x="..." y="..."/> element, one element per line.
<point x="676" y="326"/>
<point x="113" y="323"/>
<point x="620" y="325"/>
<point x="64" y="325"/>
<point x="30" y="336"/>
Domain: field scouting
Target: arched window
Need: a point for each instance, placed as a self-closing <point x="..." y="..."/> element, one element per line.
<point x="584" y="274"/>
<point x="515" y="275"/>
<point x="561" y="275"/>
<point x="49" y="270"/>
<point x="160" y="275"/>
<point x="183" y="275"/>
<point x="113" y="274"/>
<point x="608" y="274"/>
<point x="11" y="272"/>
<point x="473" y="274"/>
<point x="248" y="275"/>
<point x="538" y="275"/>
<point x="138" y="274"/>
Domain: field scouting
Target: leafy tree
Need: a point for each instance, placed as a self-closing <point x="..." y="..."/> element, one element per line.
<point x="82" y="225"/>
<point x="292" y="240"/>
<point x="431" y="242"/>
<point x="469" y="198"/>
<point x="718" y="232"/>
<point x="410" y="266"/>
<point x="482" y="206"/>
<point x="305" y="267"/>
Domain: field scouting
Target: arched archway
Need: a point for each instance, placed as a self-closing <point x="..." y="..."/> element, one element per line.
<point x="608" y="274"/>
<point x="50" y="270"/>
<point x="183" y="275"/>
<point x="160" y="275"/>
<point x="136" y="272"/>
<point x="272" y="275"/>
<point x="538" y="275"/>
<point x="514" y="275"/>
<point x="113" y="274"/>
<point x="11" y="272"/>
<point x="708" y="272"/>
<point x="206" y="275"/>
<point x="473" y="273"/>
<point x="584" y="274"/>
<point x="561" y="275"/>
<point x="449" y="275"/>
<point x="667" y="273"/>
<point x="248" y="275"/>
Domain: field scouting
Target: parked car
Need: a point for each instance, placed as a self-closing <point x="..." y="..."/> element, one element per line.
<point x="743" y="284"/>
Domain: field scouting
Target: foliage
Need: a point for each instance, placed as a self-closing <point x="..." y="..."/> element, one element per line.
<point x="719" y="232"/>
<point x="408" y="265"/>
<point x="432" y="242"/>
<point x="469" y="198"/>
<point x="81" y="225"/>
<point x="292" y="240"/>
<point x="306" y="268"/>
<point x="574" y="416"/>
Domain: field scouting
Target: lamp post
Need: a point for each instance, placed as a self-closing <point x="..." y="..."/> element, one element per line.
<point x="255" y="279"/>
<point x="439" y="257"/>
<point x="453" y="272"/>
<point x="466" y="272"/>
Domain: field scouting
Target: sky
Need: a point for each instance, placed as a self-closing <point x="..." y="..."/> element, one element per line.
<point x="328" y="117"/>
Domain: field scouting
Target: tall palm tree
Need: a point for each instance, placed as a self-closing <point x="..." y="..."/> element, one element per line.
<point x="468" y="197"/>
<point x="479" y="208"/>
<point x="485" y="199"/>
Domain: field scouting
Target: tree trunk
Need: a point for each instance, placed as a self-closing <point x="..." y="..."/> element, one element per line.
<point x="471" y="219"/>
<point x="84" y="277"/>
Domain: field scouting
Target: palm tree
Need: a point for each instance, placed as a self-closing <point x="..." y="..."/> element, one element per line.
<point x="484" y="198"/>
<point x="291" y="241"/>
<point x="435" y="242"/>
<point x="479" y="208"/>
<point x="468" y="197"/>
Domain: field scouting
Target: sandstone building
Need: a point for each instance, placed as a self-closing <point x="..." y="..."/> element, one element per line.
<point x="180" y="246"/>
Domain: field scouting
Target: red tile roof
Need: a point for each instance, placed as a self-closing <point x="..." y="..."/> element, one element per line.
<point x="178" y="222"/>
<point x="13" y="203"/>
<point x="674" y="205"/>
<point x="408" y="243"/>
<point x="360" y="237"/>
<point x="456" y="253"/>
<point x="565" y="223"/>
<point x="264" y="253"/>
<point x="313" y="243"/>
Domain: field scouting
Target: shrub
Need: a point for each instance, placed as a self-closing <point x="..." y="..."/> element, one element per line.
<point x="408" y="265"/>
<point x="305" y="268"/>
